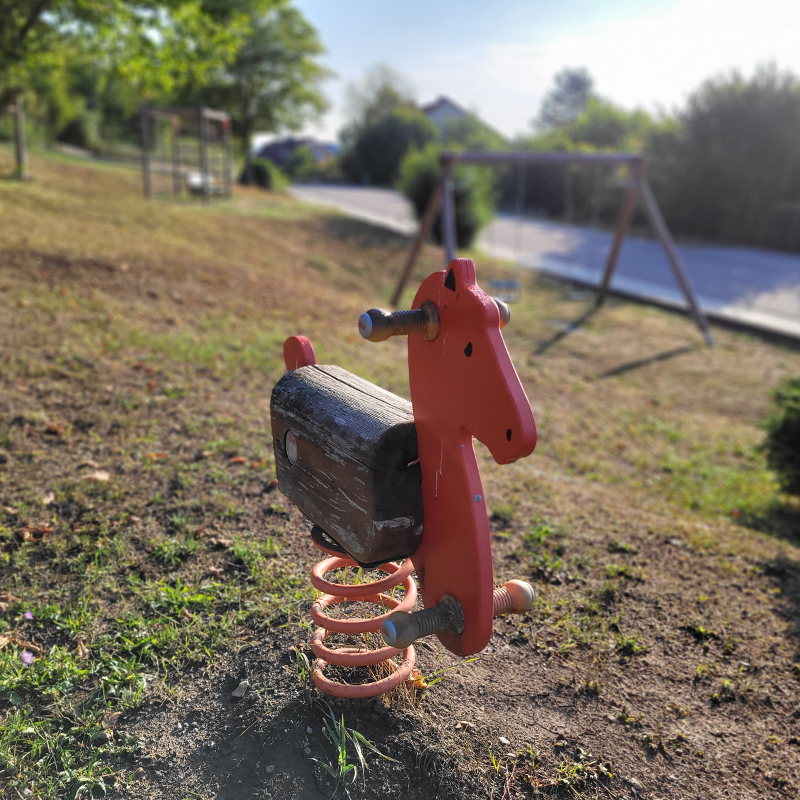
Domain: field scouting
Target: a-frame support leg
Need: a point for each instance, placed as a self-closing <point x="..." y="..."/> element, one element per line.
<point x="671" y="251"/>
<point x="623" y="225"/>
<point x="641" y="189"/>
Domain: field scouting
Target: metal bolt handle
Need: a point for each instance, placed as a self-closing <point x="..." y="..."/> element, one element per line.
<point x="377" y="325"/>
<point x="505" y="312"/>
<point x="402" y="629"/>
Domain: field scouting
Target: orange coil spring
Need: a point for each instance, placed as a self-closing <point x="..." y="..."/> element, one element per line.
<point x="352" y="656"/>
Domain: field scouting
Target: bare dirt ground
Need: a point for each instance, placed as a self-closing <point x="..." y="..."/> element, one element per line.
<point x="148" y="565"/>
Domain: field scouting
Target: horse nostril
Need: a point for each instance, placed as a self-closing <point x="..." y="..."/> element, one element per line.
<point x="508" y="434"/>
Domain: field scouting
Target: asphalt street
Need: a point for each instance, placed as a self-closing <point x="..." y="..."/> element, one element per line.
<point x="758" y="288"/>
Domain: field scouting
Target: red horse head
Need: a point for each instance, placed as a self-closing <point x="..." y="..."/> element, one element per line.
<point x="464" y="378"/>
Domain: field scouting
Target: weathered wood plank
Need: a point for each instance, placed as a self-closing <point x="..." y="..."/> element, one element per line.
<point x="355" y="472"/>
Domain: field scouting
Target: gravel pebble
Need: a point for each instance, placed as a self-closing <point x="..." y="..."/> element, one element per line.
<point x="241" y="690"/>
<point x="503" y="741"/>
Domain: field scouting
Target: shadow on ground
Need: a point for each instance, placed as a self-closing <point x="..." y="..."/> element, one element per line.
<point x="273" y="743"/>
<point x="566" y="330"/>
<point x="360" y="233"/>
<point x="630" y="366"/>
<point x="780" y="520"/>
<point x="785" y="574"/>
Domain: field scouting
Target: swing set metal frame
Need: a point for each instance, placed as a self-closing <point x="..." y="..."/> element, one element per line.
<point x="639" y="189"/>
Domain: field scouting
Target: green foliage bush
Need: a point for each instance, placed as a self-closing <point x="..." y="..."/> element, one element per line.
<point x="300" y="165"/>
<point x="268" y="175"/>
<point x="782" y="444"/>
<point x="472" y="190"/>
<point x="728" y="170"/>
<point x="378" y="149"/>
<point x="582" y="194"/>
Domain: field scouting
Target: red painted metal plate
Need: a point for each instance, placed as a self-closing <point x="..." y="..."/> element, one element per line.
<point x="463" y="384"/>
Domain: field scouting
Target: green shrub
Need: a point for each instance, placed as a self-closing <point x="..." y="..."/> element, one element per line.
<point x="83" y="131"/>
<point x="472" y="192"/>
<point x="782" y="444"/>
<point x="378" y="149"/>
<point x="268" y="175"/>
<point x="300" y="166"/>
<point x="729" y="171"/>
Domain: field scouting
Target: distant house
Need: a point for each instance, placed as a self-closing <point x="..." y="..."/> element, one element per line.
<point x="279" y="151"/>
<point x="443" y="110"/>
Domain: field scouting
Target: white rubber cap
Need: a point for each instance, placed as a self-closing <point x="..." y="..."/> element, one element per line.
<point x="365" y="325"/>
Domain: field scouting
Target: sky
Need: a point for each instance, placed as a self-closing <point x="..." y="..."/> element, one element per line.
<point x="498" y="58"/>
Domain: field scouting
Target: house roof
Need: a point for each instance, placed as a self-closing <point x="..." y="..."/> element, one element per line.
<point x="442" y="102"/>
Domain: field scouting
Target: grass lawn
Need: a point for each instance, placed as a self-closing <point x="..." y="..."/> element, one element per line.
<point x="148" y="564"/>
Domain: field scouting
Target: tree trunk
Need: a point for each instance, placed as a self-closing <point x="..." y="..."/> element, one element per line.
<point x="21" y="146"/>
<point x="248" y="176"/>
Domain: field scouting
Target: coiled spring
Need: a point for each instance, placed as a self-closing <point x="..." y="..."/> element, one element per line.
<point x="373" y="592"/>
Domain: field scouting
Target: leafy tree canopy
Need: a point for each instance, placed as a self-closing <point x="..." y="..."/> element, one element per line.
<point x="156" y="44"/>
<point x="600" y="126"/>
<point x="378" y="149"/>
<point x="469" y="133"/>
<point x="567" y="99"/>
<point x="380" y="92"/>
<point x="730" y="168"/>
<point x="274" y="80"/>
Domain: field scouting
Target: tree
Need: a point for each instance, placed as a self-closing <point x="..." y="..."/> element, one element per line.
<point x="728" y="169"/>
<point x="160" y="44"/>
<point x="380" y="92"/>
<point x="470" y="133"/>
<point x="384" y="124"/>
<point x="156" y="45"/>
<point x="375" y="155"/>
<point x="567" y="99"/>
<point x="18" y="20"/>
<point x="472" y="192"/>
<point x="273" y="82"/>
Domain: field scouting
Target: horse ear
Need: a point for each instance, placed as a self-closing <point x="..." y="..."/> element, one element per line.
<point x="461" y="271"/>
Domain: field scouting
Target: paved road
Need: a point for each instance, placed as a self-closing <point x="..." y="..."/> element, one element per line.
<point x="759" y="288"/>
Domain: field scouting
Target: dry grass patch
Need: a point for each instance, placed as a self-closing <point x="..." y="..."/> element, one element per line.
<point x="140" y="526"/>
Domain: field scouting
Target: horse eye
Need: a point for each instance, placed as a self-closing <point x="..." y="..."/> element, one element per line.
<point x="468" y="350"/>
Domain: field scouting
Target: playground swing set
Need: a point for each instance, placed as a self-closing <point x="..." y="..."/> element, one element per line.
<point x="442" y="201"/>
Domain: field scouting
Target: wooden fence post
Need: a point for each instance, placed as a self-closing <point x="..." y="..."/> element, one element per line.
<point x="204" y="155"/>
<point x="21" y="145"/>
<point x="148" y="189"/>
<point x="175" y="122"/>
<point x="226" y="143"/>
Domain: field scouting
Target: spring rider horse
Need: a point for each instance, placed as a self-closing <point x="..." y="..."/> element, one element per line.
<point x="382" y="479"/>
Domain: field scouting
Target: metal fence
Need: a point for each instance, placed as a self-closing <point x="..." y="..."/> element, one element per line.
<point x="186" y="152"/>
